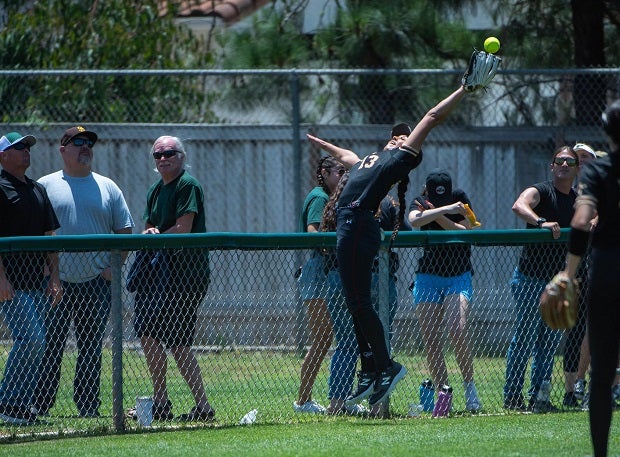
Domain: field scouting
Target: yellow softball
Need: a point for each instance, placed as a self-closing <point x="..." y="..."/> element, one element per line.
<point x="491" y="45"/>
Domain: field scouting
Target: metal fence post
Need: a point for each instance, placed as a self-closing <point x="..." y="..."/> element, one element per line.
<point x="383" y="306"/>
<point x="116" y="319"/>
<point x="383" y="286"/>
<point x="300" y="317"/>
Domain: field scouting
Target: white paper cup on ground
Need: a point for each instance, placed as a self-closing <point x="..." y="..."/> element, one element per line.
<point x="144" y="411"/>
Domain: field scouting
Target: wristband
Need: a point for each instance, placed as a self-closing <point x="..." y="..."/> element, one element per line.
<point x="578" y="241"/>
<point x="410" y="150"/>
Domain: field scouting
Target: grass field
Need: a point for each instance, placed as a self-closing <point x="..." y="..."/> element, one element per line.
<point x="238" y="381"/>
<point x="480" y="436"/>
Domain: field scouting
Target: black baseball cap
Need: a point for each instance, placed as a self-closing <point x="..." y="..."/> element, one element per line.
<point x="611" y="121"/>
<point x="439" y="188"/>
<point x="400" y="129"/>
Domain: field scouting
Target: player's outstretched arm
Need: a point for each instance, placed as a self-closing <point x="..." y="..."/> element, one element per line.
<point x="480" y="72"/>
<point x="345" y="156"/>
<point x="434" y="117"/>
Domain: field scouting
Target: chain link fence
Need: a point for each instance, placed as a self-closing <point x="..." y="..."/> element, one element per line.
<point x="245" y="136"/>
<point x="245" y="130"/>
<point x="250" y="329"/>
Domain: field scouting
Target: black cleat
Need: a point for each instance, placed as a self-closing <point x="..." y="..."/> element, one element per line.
<point x="386" y="382"/>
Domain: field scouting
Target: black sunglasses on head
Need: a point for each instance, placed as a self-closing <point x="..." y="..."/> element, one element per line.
<point x="167" y="154"/>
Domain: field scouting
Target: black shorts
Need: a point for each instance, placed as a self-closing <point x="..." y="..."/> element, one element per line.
<point x="170" y="317"/>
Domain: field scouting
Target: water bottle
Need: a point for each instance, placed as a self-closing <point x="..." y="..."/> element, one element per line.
<point x="427" y="395"/>
<point x="249" y="418"/>
<point x="444" y="402"/>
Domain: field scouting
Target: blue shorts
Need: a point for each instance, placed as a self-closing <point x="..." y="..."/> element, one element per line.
<point x="430" y="288"/>
<point x="312" y="282"/>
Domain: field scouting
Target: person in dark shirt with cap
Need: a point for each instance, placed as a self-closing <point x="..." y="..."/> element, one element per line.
<point x="576" y="351"/>
<point x="388" y="217"/>
<point x="343" y="362"/>
<point x="599" y="194"/>
<point x="443" y="287"/>
<point x="359" y="239"/>
<point x="25" y="210"/>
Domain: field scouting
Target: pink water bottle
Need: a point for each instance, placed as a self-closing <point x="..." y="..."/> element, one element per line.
<point x="444" y="402"/>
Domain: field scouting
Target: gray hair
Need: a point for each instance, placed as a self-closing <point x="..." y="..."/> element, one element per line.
<point x="178" y="145"/>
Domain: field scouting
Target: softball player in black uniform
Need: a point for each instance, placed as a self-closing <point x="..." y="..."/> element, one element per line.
<point x="599" y="193"/>
<point x="359" y="238"/>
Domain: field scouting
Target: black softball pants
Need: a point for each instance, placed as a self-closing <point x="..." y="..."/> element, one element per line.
<point x="603" y="331"/>
<point x="574" y="338"/>
<point x="358" y="241"/>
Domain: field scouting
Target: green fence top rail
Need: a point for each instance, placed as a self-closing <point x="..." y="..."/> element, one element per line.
<point x="266" y="241"/>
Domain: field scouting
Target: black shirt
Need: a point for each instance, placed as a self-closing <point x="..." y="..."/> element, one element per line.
<point x="544" y="260"/>
<point x="372" y="177"/>
<point x="25" y="210"/>
<point x="599" y="181"/>
<point x="388" y="215"/>
<point x="450" y="259"/>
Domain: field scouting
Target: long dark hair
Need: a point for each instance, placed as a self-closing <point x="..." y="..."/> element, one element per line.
<point x="328" y="222"/>
<point x="401" y="190"/>
<point x="325" y="163"/>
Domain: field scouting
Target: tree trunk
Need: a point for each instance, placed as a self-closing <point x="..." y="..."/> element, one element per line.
<point x="589" y="43"/>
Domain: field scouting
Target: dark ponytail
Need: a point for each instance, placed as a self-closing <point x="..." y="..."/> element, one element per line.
<point x="328" y="222"/>
<point x="401" y="190"/>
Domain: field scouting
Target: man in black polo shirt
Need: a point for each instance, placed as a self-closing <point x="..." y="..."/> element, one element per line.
<point x="25" y="210"/>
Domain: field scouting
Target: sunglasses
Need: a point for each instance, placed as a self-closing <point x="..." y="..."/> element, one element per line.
<point x="570" y="161"/>
<point x="340" y="171"/>
<point x="82" y="142"/>
<point x="167" y="154"/>
<point x="20" y="146"/>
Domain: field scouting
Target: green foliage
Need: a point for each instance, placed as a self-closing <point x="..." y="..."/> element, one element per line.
<point x="272" y="41"/>
<point x="392" y="35"/>
<point x="365" y="34"/>
<point x="111" y="34"/>
<point x="83" y="34"/>
<point x="531" y="33"/>
<point x="539" y="33"/>
<point x="396" y="34"/>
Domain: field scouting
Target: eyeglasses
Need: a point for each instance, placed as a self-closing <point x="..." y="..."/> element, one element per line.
<point x="167" y="154"/>
<point x="82" y="141"/>
<point x="339" y="171"/>
<point x="570" y="161"/>
<point x="20" y="146"/>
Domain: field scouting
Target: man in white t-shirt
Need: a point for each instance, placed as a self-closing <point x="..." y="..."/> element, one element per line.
<point x="85" y="203"/>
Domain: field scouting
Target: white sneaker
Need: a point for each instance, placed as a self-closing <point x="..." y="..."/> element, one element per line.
<point x="580" y="389"/>
<point x="310" y="407"/>
<point x="472" y="402"/>
<point x="356" y="409"/>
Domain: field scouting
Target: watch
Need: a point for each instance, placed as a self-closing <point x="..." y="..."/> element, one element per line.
<point x="540" y="221"/>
